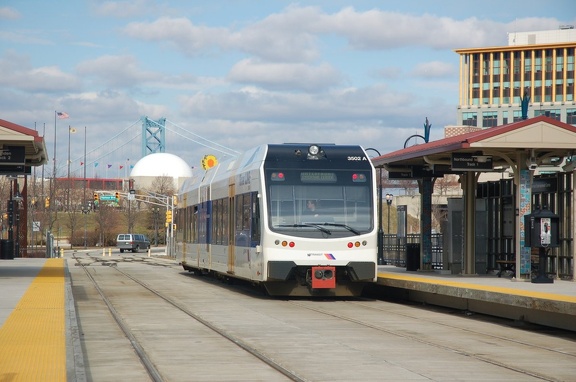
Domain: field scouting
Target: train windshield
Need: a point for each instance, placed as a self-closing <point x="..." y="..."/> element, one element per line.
<point x="319" y="203"/>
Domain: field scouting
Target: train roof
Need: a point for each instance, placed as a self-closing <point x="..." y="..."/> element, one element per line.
<point x="253" y="158"/>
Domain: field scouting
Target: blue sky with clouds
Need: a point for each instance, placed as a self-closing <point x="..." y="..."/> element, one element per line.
<point x="242" y="73"/>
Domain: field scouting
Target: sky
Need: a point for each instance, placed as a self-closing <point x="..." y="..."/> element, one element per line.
<point x="231" y="75"/>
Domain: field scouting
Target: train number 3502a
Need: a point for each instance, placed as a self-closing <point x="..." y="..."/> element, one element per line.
<point x="355" y="158"/>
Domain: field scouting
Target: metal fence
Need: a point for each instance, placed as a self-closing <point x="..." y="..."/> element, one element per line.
<point x="395" y="249"/>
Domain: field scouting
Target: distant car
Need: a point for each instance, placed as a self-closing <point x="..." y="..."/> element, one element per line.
<point x="132" y="242"/>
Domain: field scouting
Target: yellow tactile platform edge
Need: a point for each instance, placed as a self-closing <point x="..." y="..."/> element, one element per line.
<point x="33" y="338"/>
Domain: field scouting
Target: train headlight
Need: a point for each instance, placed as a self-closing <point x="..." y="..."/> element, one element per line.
<point x="313" y="150"/>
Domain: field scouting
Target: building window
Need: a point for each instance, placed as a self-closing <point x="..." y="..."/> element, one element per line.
<point x="537" y="91"/>
<point x="476" y="67"/>
<point x="489" y="119"/>
<point x="559" y="88"/>
<point x="517" y="115"/>
<point x="538" y="65"/>
<point x="469" y="119"/>
<point x="527" y="66"/>
<point x="553" y="113"/>
<point x="571" y="116"/>
<point x="548" y="91"/>
<point x="517" y="63"/>
<point x="548" y="64"/>
<point x="505" y="117"/>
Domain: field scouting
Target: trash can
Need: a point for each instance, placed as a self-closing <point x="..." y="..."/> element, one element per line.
<point x="412" y="256"/>
<point x="7" y="249"/>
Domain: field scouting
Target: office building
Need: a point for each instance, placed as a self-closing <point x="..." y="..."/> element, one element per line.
<point x="495" y="80"/>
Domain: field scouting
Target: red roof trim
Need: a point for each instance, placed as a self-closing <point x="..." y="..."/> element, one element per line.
<point x="20" y="129"/>
<point x="464" y="141"/>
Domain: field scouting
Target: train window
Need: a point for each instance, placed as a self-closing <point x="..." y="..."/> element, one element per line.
<point x="344" y="204"/>
<point x="243" y="220"/>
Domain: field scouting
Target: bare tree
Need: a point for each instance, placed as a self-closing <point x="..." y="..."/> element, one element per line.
<point x="447" y="185"/>
<point x="163" y="185"/>
<point x="107" y="218"/>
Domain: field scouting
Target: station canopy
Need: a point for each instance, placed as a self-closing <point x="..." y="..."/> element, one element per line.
<point x="20" y="147"/>
<point x="541" y="140"/>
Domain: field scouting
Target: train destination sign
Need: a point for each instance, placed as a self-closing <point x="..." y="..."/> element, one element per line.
<point x="470" y="162"/>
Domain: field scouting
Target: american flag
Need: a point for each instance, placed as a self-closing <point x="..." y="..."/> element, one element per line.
<point x="62" y="115"/>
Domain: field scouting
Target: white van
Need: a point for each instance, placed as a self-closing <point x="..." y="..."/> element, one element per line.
<point x="132" y="242"/>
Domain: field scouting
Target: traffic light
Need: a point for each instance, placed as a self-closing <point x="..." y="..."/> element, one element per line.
<point x="47" y="202"/>
<point x="96" y="198"/>
<point x="117" y="195"/>
<point x="169" y="217"/>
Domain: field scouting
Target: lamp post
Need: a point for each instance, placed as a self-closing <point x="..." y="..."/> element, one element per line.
<point x="389" y="202"/>
<point x="155" y="211"/>
<point x="85" y="208"/>
<point x="380" y="230"/>
<point x="14" y="214"/>
<point x="85" y="211"/>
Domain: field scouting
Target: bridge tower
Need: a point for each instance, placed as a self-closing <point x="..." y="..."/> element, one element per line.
<point x="153" y="136"/>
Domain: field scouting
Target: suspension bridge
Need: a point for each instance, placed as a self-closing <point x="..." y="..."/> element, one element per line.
<point x="115" y="156"/>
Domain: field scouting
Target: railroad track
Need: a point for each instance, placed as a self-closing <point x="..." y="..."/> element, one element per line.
<point x="299" y="339"/>
<point x="148" y="363"/>
<point x="530" y="341"/>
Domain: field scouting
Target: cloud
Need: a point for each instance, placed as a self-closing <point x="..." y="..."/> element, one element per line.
<point x="292" y="35"/>
<point x="435" y="69"/>
<point x="377" y="29"/>
<point x="254" y="104"/>
<point x="290" y="76"/>
<point x="123" y="9"/>
<point x="116" y="71"/>
<point x="181" y="33"/>
<point x="24" y="77"/>
<point x="8" y="13"/>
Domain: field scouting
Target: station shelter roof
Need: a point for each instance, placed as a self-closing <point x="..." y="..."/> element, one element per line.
<point x="12" y="135"/>
<point x="542" y="139"/>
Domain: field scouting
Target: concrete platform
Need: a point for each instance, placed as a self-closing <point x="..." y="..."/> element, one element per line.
<point x="39" y="333"/>
<point x="550" y="304"/>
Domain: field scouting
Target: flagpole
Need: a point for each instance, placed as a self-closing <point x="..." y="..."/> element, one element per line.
<point x="68" y="193"/>
<point x="53" y="187"/>
<point x="84" y="206"/>
<point x="42" y="183"/>
<point x="84" y="202"/>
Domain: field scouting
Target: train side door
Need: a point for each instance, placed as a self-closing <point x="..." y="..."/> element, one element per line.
<point x="231" y="227"/>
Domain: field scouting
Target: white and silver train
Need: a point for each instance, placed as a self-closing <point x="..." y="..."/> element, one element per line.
<point x="297" y="219"/>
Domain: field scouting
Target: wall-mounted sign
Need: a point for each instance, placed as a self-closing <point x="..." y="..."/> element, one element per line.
<point x="13" y="155"/>
<point x="19" y="169"/>
<point x="400" y="174"/>
<point x="544" y="185"/>
<point x="470" y="162"/>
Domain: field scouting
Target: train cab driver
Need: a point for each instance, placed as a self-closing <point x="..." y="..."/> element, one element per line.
<point x="311" y="208"/>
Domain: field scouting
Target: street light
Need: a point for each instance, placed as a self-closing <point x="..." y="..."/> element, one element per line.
<point x="85" y="211"/>
<point x="155" y="211"/>
<point x="389" y="202"/>
<point x="13" y="214"/>
<point x="380" y="230"/>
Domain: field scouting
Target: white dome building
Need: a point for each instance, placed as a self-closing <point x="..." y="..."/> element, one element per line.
<point x="152" y="166"/>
